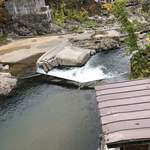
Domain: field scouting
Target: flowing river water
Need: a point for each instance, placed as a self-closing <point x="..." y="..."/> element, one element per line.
<point x="45" y="116"/>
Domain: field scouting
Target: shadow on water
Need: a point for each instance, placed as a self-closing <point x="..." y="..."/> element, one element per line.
<point x="46" y="115"/>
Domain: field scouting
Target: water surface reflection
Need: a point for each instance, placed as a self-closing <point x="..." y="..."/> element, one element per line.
<point x="42" y="116"/>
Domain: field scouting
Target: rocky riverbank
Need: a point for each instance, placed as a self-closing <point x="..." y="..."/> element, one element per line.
<point x="73" y="49"/>
<point x="99" y="41"/>
<point x="7" y="83"/>
<point x="21" y="53"/>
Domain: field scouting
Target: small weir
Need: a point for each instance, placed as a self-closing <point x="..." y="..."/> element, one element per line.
<point x="44" y="116"/>
<point x="101" y="66"/>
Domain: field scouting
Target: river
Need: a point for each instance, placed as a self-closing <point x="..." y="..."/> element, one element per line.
<point x="45" y="116"/>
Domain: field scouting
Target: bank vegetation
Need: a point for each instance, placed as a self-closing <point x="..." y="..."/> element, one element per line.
<point x="140" y="61"/>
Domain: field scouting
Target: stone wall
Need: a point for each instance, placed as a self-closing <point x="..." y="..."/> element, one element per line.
<point x="30" y="25"/>
<point x="29" y="17"/>
<point x="24" y="7"/>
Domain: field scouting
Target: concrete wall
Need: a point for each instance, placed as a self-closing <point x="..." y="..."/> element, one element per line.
<point x="24" y="7"/>
<point x="29" y="17"/>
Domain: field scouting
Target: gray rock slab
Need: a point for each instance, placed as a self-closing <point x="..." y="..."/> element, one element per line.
<point x="66" y="55"/>
<point x="72" y="56"/>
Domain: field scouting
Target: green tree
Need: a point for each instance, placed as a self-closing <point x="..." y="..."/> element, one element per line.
<point x="140" y="61"/>
<point x="146" y="6"/>
<point x="121" y="13"/>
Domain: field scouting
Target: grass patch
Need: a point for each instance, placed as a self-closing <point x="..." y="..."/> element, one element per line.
<point x="90" y="24"/>
<point x="3" y="40"/>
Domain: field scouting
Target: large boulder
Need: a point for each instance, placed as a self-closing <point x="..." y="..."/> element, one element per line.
<point x="72" y="56"/>
<point x="64" y="56"/>
<point x="104" y="44"/>
<point x="7" y="83"/>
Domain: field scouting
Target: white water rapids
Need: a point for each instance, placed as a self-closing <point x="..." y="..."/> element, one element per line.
<point x="81" y="75"/>
<point x="98" y="67"/>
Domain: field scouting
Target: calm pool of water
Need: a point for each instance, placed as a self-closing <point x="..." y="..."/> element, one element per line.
<point x="42" y="116"/>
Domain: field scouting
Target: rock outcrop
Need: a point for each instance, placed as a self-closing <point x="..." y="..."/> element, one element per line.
<point x="7" y="83"/>
<point x="99" y="41"/>
<point x="30" y="25"/>
<point x="28" y="18"/>
<point x="67" y="56"/>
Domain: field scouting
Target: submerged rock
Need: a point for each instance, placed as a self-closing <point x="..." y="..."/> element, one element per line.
<point x="7" y="83"/>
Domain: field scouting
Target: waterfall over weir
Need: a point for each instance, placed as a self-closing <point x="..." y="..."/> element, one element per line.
<point x="99" y="67"/>
<point x="42" y="116"/>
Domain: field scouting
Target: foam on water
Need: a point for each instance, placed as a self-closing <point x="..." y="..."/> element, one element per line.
<point x="104" y="65"/>
<point x="81" y="75"/>
<point x="86" y="73"/>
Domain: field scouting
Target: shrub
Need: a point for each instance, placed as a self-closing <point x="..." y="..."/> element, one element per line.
<point x="146" y="6"/>
<point x="140" y="64"/>
<point x="3" y="39"/>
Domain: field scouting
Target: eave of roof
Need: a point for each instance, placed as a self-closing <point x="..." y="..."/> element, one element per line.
<point x="124" y="109"/>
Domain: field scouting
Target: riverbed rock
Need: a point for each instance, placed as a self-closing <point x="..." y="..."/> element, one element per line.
<point x="105" y="44"/>
<point x="7" y="83"/>
<point x="101" y="44"/>
<point x="64" y="56"/>
<point x="142" y="36"/>
<point x="72" y="56"/>
<point x="4" y="68"/>
<point x="106" y="34"/>
<point x="99" y="41"/>
<point x="56" y="29"/>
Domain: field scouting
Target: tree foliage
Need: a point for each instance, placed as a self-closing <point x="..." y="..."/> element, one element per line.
<point x="121" y="13"/>
<point x="146" y="6"/>
<point x="69" y="4"/>
<point x="140" y="64"/>
<point x="63" y="10"/>
<point x="140" y="61"/>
